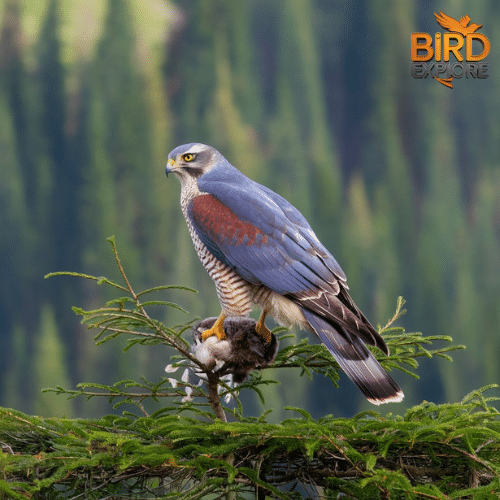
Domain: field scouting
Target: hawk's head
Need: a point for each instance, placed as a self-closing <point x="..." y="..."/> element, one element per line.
<point x="192" y="160"/>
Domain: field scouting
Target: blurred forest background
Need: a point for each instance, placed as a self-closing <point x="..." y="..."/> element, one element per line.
<point x="399" y="177"/>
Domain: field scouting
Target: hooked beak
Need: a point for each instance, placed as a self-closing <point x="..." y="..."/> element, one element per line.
<point x="170" y="166"/>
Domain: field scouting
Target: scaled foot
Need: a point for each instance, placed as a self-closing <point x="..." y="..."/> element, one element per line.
<point x="217" y="329"/>
<point x="262" y="330"/>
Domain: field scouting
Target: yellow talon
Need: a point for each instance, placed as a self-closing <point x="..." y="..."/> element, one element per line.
<point x="261" y="328"/>
<point x="217" y="329"/>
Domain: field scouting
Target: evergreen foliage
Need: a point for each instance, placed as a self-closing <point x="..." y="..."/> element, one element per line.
<point x="185" y="448"/>
<point x="433" y="451"/>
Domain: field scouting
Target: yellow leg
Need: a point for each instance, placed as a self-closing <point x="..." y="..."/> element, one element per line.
<point x="217" y="329"/>
<point x="261" y="328"/>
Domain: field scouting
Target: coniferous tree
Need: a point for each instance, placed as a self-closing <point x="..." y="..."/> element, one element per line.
<point x="15" y="235"/>
<point x="49" y="367"/>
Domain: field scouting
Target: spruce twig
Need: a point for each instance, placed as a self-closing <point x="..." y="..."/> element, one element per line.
<point x="127" y="315"/>
<point x="433" y="451"/>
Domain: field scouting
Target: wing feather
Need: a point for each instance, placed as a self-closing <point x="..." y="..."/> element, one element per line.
<point x="447" y="22"/>
<point x="268" y="241"/>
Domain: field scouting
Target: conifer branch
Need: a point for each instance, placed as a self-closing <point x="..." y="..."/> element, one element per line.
<point x="435" y="451"/>
<point x="111" y="240"/>
<point x="164" y="450"/>
<point x="213" y="380"/>
<point x="127" y="315"/>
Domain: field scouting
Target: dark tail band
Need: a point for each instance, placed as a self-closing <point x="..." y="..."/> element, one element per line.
<point x="357" y="362"/>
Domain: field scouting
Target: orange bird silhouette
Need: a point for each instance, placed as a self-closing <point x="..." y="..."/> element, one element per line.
<point x="461" y="27"/>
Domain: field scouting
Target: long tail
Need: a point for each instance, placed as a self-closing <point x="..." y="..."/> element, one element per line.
<point x="357" y="362"/>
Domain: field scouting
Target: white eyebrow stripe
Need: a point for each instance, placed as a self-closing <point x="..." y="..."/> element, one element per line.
<point x="197" y="148"/>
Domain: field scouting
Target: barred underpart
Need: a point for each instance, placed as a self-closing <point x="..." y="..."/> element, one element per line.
<point x="236" y="295"/>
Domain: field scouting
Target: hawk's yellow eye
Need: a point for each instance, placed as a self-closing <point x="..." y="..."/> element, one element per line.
<point x="188" y="157"/>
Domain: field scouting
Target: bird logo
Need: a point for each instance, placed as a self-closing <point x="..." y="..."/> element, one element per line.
<point x="430" y="55"/>
<point x="463" y="27"/>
